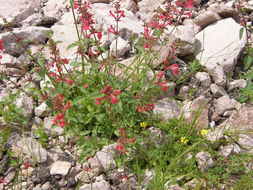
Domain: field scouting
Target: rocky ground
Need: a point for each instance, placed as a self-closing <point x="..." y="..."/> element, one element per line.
<point x="212" y="36"/>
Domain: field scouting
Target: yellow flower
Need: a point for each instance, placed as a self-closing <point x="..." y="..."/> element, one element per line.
<point x="143" y="124"/>
<point x="204" y="132"/>
<point x="184" y="140"/>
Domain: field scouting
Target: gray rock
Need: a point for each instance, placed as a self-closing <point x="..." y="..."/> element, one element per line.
<point x="175" y="187"/>
<point x="31" y="35"/>
<point x="223" y="11"/>
<point x="11" y="71"/>
<point x="184" y="92"/>
<point x="222" y="104"/>
<point x="88" y="176"/>
<point x="68" y="33"/>
<point x="240" y="83"/>
<point x="32" y="148"/>
<point x="218" y="47"/>
<point x="50" y="129"/>
<point x="25" y="103"/>
<point x="167" y="109"/>
<point x="196" y="109"/>
<point x="101" y="185"/>
<point x="122" y="47"/>
<point x="147" y="8"/>
<point x="229" y="150"/>
<point x="218" y="91"/>
<point x="105" y="160"/>
<point x="206" y="18"/>
<point x="157" y="136"/>
<point x="204" y="161"/>
<point x="16" y="11"/>
<point x="42" y="110"/>
<point x="54" y="9"/>
<point x="203" y="78"/>
<point x="60" y="168"/>
<point x="148" y="176"/>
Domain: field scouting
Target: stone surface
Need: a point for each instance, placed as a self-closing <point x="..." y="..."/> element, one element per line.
<point x="218" y="47"/>
<point x="31" y="35"/>
<point x="101" y="185"/>
<point x="25" y="103"/>
<point x="229" y="150"/>
<point x="218" y="91"/>
<point x="54" y="9"/>
<point x="167" y="109"/>
<point x="206" y="18"/>
<point x="240" y="83"/>
<point x="223" y="11"/>
<point x="119" y="47"/>
<point x="42" y="110"/>
<point x="68" y="33"/>
<point x="60" y="168"/>
<point x="32" y="148"/>
<point x="50" y="129"/>
<point x="204" y="161"/>
<point x="197" y="109"/>
<point x="16" y="11"/>
<point x="203" y="79"/>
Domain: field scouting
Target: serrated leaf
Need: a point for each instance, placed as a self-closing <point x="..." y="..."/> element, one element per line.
<point x="241" y="32"/>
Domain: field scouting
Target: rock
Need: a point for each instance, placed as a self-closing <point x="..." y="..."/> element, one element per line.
<point x="31" y="35"/>
<point x="240" y="83"/>
<point x="32" y="148"/>
<point x="218" y="91"/>
<point x="101" y="185"/>
<point x="17" y="11"/>
<point x="167" y="109"/>
<point x="223" y="11"/>
<point x="128" y="25"/>
<point x="203" y="79"/>
<point x="11" y="71"/>
<point x="175" y="187"/>
<point x="184" y="92"/>
<point x="157" y="136"/>
<point x="196" y="2"/>
<point x="68" y="33"/>
<point x="148" y="176"/>
<point x="147" y="8"/>
<point x="122" y="47"/>
<point x="204" y="161"/>
<point x="60" y="168"/>
<point x="12" y="62"/>
<point x="184" y="35"/>
<point x="55" y="9"/>
<point x="196" y="110"/>
<point x="25" y="103"/>
<point x="42" y="110"/>
<point x="223" y="104"/>
<point x="222" y="47"/>
<point x="229" y="150"/>
<point x="50" y="129"/>
<point x="100" y="1"/>
<point x="206" y="18"/>
<point x="45" y="186"/>
<point x="130" y="5"/>
<point x="105" y="160"/>
<point x="88" y="176"/>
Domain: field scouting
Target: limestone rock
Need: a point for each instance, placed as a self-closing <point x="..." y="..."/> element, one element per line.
<point x="167" y="109"/>
<point x="122" y="47"/>
<point x="206" y="18"/>
<point x="218" y="91"/>
<point x="31" y="35"/>
<point x="218" y="47"/>
<point x="50" y="129"/>
<point x="196" y="109"/>
<point x="203" y="79"/>
<point x="101" y="185"/>
<point x="42" y="110"/>
<point x="204" y="161"/>
<point x="25" y="103"/>
<point x="60" y="168"/>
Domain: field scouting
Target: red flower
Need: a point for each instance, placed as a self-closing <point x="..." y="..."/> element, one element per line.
<point x="123" y="141"/>
<point x="1" y="45"/>
<point x="99" y="35"/>
<point x="3" y="181"/>
<point x="110" y="95"/>
<point x="26" y="165"/>
<point x="146" y="107"/>
<point x="174" y="68"/>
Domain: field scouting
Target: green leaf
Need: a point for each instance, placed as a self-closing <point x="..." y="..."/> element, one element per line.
<point x="42" y="74"/>
<point x="70" y="46"/>
<point x="84" y="133"/>
<point x="241" y="33"/>
<point x="49" y="104"/>
<point x="247" y="61"/>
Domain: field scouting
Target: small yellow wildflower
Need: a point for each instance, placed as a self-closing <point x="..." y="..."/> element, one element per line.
<point x="204" y="132"/>
<point x="143" y="124"/>
<point x="184" y="140"/>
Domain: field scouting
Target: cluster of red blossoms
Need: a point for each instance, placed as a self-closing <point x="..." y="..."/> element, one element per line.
<point x="110" y="95"/>
<point x="145" y="107"/>
<point x="1" y="48"/>
<point x="58" y="106"/>
<point x="123" y="141"/>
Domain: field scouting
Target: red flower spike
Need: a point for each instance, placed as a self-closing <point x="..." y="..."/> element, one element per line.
<point x="99" y="35"/>
<point x="160" y="75"/>
<point x="26" y="165"/>
<point x="174" y="69"/>
<point x="86" y="85"/>
<point x="3" y="181"/>
<point x="110" y="95"/>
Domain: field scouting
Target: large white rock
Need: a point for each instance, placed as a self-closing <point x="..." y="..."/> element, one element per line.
<point x="67" y="34"/>
<point x="18" y="10"/>
<point x="60" y="168"/>
<point x="218" y="47"/>
<point x="122" y="47"/>
<point x="127" y="26"/>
